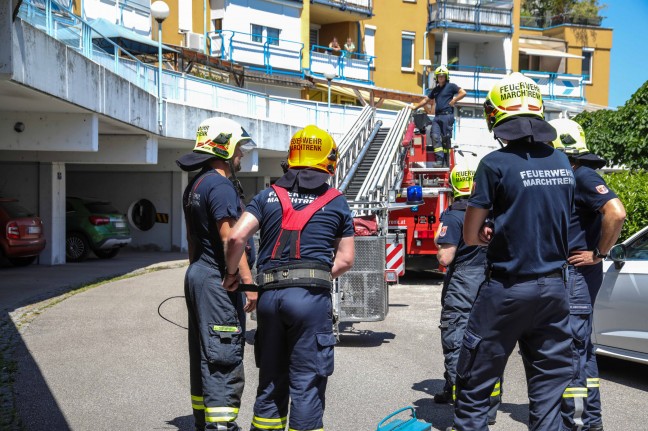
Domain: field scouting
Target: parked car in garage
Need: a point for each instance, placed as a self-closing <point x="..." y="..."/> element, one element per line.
<point x="94" y="225"/>
<point x="620" y="322"/>
<point x="22" y="237"/>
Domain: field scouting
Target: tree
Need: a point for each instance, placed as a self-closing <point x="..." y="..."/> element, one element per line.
<point x="581" y="10"/>
<point x="620" y="136"/>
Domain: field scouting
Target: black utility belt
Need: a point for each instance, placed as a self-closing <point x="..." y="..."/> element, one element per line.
<point x="444" y="112"/>
<point x="513" y="278"/>
<point x="286" y="276"/>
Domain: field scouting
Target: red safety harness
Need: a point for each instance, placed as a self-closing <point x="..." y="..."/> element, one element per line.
<point x="294" y="221"/>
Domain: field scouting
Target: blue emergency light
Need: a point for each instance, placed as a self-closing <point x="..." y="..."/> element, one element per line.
<point x="415" y="195"/>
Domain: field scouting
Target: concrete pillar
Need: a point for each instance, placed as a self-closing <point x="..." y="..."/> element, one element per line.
<point x="6" y="36"/>
<point x="51" y="205"/>
<point x="178" y="226"/>
<point x="444" y="48"/>
<point x="507" y="44"/>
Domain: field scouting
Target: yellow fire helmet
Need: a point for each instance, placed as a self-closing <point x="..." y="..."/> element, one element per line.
<point x="571" y="136"/>
<point x="218" y="136"/>
<point x="515" y="95"/>
<point x="312" y="147"/>
<point x="442" y="70"/>
<point x="461" y="179"/>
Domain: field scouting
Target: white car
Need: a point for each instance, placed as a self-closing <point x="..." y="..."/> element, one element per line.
<point x="621" y="307"/>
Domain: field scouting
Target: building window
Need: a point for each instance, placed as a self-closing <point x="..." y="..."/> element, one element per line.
<point x="262" y="33"/>
<point x="407" y="53"/>
<point x="588" y="57"/>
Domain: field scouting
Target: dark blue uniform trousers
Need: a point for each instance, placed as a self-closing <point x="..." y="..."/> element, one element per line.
<point x="535" y="314"/>
<point x="216" y="341"/>
<point x="294" y="352"/>
<point x="441" y="132"/>
<point x="583" y="404"/>
<point x="460" y="289"/>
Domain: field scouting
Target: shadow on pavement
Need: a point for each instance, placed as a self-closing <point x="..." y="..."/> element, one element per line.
<point x="15" y="356"/>
<point x="22" y="290"/>
<point x="625" y="373"/>
<point x="364" y="338"/>
<point x="517" y="412"/>
<point x="183" y="423"/>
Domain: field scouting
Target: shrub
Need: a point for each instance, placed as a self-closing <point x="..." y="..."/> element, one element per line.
<point x="632" y="189"/>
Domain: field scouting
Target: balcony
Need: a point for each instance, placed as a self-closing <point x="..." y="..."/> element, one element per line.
<point x="268" y="55"/>
<point x="335" y="11"/>
<point x="477" y="81"/>
<point x="347" y="66"/>
<point x="534" y="22"/>
<point x="480" y="16"/>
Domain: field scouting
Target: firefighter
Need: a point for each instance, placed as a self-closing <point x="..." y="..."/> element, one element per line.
<point x="595" y="227"/>
<point x="306" y="241"/>
<point x="529" y="187"/>
<point x="443" y="98"/>
<point x="466" y="270"/>
<point x="216" y="316"/>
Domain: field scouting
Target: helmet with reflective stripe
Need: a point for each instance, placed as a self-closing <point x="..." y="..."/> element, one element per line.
<point x="441" y="70"/>
<point x="461" y="179"/>
<point x="218" y="137"/>
<point x="515" y="95"/>
<point x="312" y="147"/>
<point x="571" y="137"/>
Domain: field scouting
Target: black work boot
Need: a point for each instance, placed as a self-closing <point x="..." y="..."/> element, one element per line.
<point x="444" y="397"/>
<point x="598" y="427"/>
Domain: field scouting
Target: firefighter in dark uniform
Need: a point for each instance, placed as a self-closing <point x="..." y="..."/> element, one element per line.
<point x="442" y="98"/>
<point x="216" y="315"/>
<point x="306" y="241"/>
<point x="529" y="187"/>
<point x="595" y="227"/>
<point x="466" y="272"/>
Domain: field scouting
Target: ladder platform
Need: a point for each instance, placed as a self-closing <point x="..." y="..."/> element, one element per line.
<point x="428" y="170"/>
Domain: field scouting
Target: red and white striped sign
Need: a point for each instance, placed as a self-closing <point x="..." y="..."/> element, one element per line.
<point x="395" y="258"/>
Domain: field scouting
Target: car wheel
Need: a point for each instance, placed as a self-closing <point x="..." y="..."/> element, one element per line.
<point x="76" y="247"/>
<point x="106" y="254"/>
<point x="22" y="261"/>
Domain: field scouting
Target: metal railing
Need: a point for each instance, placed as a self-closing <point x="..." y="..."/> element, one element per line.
<point x="347" y="65"/>
<point x="474" y="17"/>
<point x="478" y="80"/>
<point x="360" y="6"/>
<point x="351" y="145"/>
<point x="187" y="89"/>
<point x="266" y="54"/>
<point x="384" y="172"/>
<point x="556" y="20"/>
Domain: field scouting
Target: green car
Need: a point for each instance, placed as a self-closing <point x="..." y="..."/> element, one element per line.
<point x="94" y="225"/>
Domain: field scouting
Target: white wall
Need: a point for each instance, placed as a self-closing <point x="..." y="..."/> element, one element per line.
<point x="240" y="14"/>
<point x="490" y="53"/>
<point x="131" y="16"/>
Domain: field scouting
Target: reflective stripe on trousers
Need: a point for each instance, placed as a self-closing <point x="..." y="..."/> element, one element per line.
<point x="535" y="313"/>
<point x="216" y="334"/>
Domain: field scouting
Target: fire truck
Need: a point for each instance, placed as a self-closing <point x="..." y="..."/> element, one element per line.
<point x="397" y="193"/>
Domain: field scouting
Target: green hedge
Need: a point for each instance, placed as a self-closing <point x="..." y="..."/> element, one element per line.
<point x="632" y="189"/>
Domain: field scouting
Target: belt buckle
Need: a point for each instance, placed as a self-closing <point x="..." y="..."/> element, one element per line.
<point x="285" y="273"/>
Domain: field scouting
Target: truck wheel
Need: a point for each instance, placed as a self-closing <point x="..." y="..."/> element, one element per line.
<point x="76" y="247"/>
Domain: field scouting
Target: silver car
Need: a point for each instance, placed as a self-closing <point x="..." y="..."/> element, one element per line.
<point x="621" y="307"/>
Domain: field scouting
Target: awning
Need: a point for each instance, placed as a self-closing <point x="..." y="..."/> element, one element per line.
<point x="395" y="98"/>
<point x="547" y="53"/>
<point x="129" y="40"/>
